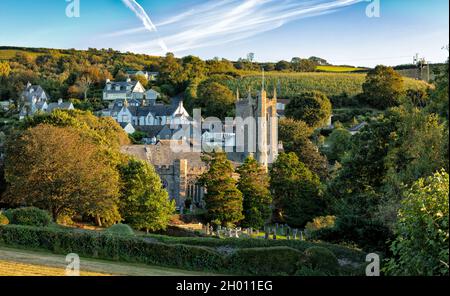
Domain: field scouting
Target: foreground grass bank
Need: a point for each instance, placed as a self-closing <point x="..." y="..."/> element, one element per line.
<point x="20" y="262"/>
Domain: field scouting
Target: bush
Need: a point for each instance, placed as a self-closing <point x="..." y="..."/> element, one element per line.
<point x="265" y="261"/>
<point x="320" y="223"/>
<point x="30" y="216"/>
<point x="3" y="219"/>
<point x="120" y="229"/>
<point x="319" y="258"/>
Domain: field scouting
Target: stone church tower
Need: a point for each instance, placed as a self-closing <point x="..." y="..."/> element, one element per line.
<point x="264" y="111"/>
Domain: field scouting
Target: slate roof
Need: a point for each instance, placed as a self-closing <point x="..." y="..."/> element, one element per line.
<point x="59" y="106"/>
<point x="33" y="91"/>
<point x="122" y="84"/>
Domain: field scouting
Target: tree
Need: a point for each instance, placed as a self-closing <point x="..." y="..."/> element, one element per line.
<point x="216" y="99"/>
<point x="383" y="87"/>
<point x="314" y="108"/>
<point x="59" y="170"/>
<point x="295" y="136"/>
<point x="84" y="83"/>
<point x="296" y="191"/>
<point x="254" y="185"/>
<point x="5" y="69"/>
<point x="421" y="246"/>
<point x="282" y="66"/>
<point x="250" y="57"/>
<point x="171" y="72"/>
<point x="318" y="61"/>
<point x="193" y="68"/>
<point x="142" y="80"/>
<point x="223" y="199"/>
<point x="303" y="65"/>
<point x="339" y="144"/>
<point x="144" y="203"/>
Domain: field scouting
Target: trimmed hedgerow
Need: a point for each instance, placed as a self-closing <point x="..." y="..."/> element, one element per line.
<point x="98" y="245"/>
<point x="30" y="216"/>
<point x="341" y="252"/>
<point x="319" y="258"/>
<point x="265" y="261"/>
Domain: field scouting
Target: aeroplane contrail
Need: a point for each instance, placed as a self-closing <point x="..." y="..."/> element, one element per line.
<point x="147" y="22"/>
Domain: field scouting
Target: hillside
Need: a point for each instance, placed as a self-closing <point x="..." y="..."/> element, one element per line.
<point x="289" y="84"/>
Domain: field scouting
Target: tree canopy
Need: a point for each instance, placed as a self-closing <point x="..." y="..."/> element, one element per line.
<point x="314" y="108"/>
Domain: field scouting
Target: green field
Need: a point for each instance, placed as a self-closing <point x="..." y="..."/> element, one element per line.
<point x="338" y="69"/>
<point x="291" y="84"/>
<point x="8" y="54"/>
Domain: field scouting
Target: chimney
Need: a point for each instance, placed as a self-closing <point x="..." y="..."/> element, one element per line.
<point x="128" y="79"/>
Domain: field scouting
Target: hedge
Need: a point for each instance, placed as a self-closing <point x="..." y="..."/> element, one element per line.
<point x="340" y="252"/>
<point x="265" y="260"/>
<point x="104" y="246"/>
<point x="28" y="216"/>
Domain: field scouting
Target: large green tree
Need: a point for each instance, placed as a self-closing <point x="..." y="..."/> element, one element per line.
<point x="215" y="99"/>
<point x="223" y="199"/>
<point x="60" y="170"/>
<point x="295" y="136"/>
<point x="421" y="246"/>
<point x="383" y="87"/>
<point x="144" y="203"/>
<point x="254" y="185"/>
<point x="296" y="191"/>
<point x="314" y="108"/>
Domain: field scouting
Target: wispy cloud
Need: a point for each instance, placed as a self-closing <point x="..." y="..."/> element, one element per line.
<point x="218" y="22"/>
<point x="146" y="21"/>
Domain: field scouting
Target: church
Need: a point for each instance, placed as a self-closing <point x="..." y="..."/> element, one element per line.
<point x="179" y="171"/>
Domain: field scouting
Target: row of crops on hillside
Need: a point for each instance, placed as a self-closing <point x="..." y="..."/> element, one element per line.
<point x="291" y="84"/>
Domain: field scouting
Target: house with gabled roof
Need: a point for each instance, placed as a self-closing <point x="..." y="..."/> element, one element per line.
<point x="120" y="90"/>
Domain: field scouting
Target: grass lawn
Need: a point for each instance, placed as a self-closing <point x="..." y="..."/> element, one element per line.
<point x="16" y="262"/>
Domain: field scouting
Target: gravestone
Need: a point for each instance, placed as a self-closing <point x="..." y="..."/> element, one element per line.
<point x="230" y="233"/>
<point x="295" y="233"/>
<point x="267" y="232"/>
<point x="207" y="228"/>
<point x="288" y="233"/>
<point x="301" y="235"/>
<point x="275" y="235"/>
<point x="191" y="208"/>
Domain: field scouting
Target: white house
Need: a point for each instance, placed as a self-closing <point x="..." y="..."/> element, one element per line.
<point x="123" y="90"/>
<point x="147" y="114"/>
<point x="151" y="95"/>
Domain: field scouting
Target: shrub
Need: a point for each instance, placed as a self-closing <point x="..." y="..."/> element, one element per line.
<point x="30" y="216"/>
<point x="265" y="261"/>
<point x="319" y="258"/>
<point x="120" y="229"/>
<point x="320" y="223"/>
<point x="3" y="219"/>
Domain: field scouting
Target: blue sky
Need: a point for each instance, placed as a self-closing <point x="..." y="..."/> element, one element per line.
<point x="337" y="30"/>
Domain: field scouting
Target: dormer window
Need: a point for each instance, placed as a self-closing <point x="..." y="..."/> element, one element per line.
<point x="117" y="87"/>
